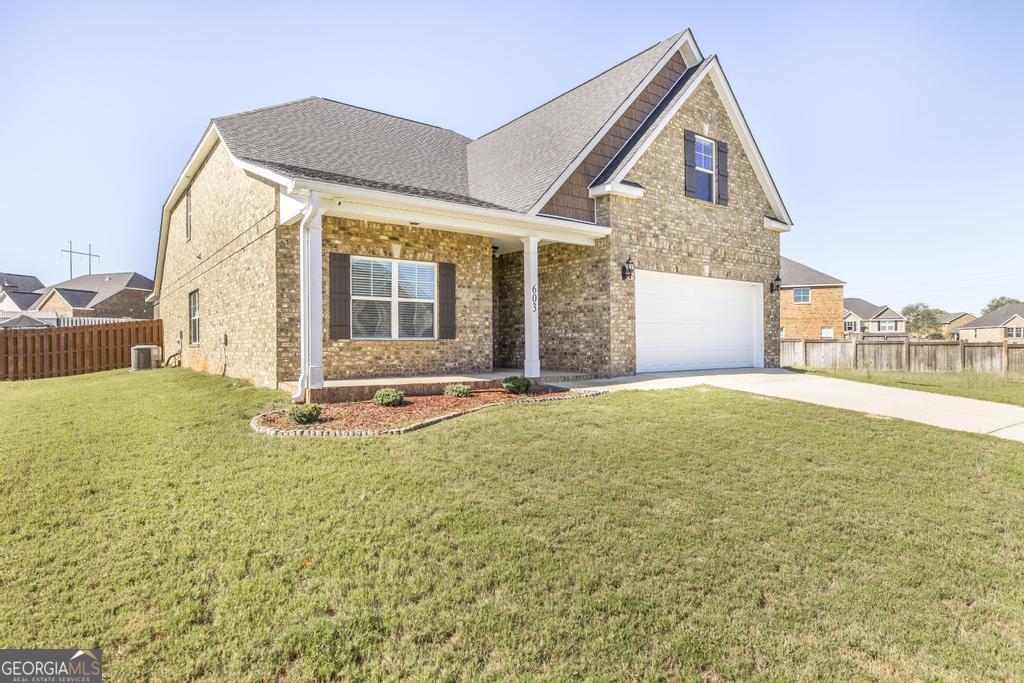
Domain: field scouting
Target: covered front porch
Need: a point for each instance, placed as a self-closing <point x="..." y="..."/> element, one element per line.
<point x="424" y="364"/>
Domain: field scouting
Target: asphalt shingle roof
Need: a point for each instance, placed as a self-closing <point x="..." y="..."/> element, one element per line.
<point x="997" y="317"/>
<point x="511" y="167"/>
<point x="865" y="310"/>
<point x="22" y="321"/>
<point x="795" y="274"/>
<point x="21" y="283"/>
<point x="24" y="300"/>
<point x="85" y="291"/>
<point x="947" y="318"/>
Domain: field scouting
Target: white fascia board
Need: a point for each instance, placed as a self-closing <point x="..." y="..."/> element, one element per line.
<point x="291" y="207"/>
<point x="686" y="46"/>
<point x="617" y="189"/>
<point x="210" y="138"/>
<point x="713" y="69"/>
<point x="434" y="212"/>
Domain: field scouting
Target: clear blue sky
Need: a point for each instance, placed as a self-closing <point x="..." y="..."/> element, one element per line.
<point x="892" y="129"/>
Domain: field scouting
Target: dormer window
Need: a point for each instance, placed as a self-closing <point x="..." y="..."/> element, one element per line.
<point x="704" y="164"/>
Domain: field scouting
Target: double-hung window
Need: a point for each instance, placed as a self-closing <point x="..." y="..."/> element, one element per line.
<point x="850" y="326"/>
<point x="1015" y="332"/>
<point x="193" y="317"/>
<point x="704" y="165"/>
<point x="393" y="299"/>
<point x="886" y="325"/>
<point x="826" y="333"/>
<point x="802" y="295"/>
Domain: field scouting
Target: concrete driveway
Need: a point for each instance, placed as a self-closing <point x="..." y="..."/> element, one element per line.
<point x="951" y="412"/>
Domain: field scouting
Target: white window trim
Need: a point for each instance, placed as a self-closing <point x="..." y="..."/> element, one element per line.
<point x="801" y="303"/>
<point x="193" y="318"/>
<point x="1015" y="332"/>
<point x="714" y="170"/>
<point x="850" y="326"/>
<point x="394" y="299"/>
<point x="894" y="323"/>
<point x="831" y="333"/>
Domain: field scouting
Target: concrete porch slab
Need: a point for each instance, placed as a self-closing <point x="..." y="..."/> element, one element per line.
<point x="363" y="388"/>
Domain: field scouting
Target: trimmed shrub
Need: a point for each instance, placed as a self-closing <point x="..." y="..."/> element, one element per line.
<point x="305" y="414"/>
<point x="456" y="390"/>
<point x="389" y="397"/>
<point x="516" y="385"/>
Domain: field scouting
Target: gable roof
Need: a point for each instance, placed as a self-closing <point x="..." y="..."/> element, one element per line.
<point x="866" y="310"/>
<point x="795" y="274"/>
<point x="996" y="318"/>
<point x="947" y="318"/>
<point x="516" y="164"/>
<point x="86" y="291"/>
<point x="23" y="300"/>
<point x="21" y="283"/>
<point x="23" y="321"/>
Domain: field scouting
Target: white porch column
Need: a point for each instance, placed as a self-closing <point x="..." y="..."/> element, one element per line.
<point x="531" y="364"/>
<point x="311" y="294"/>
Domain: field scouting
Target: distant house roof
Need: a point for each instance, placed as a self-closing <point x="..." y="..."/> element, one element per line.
<point x="996" y="318"/>
<point x="865" y="310"/>
<point x="21" y="283"/>
<point x="86" y="291"/>
<point x="947" y="318"/>
<point x="796" y="274"/>
<point x="23" y="321"/>
<point x="23" y="300"/>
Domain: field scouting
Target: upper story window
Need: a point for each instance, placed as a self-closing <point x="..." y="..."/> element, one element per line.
<point x="704" y="162"/>
<point x="802" y="295"/>
<point x="850" y="326"/>
<point x="193" y="317"/>
<point x="393" y="299"/>
<point x="188" y="214"/>
<point x="1015" y="332"/>
<point x="886" y="325"/>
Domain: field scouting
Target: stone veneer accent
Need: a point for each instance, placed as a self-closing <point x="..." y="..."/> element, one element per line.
<point x="804" y="321"/>
<point x="470" y="351"/>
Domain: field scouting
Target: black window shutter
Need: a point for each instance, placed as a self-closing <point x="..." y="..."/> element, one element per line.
<point x="340" y="296"/>
<point x="691" y="172"/>
<point x="723" y="172"/>
<point x="446" y="300"/>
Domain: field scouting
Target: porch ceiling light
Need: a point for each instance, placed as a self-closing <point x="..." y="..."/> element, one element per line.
<point x="628" y="268"/>
<point x="775" y="284"/>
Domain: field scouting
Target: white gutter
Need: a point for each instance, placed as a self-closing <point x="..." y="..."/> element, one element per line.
<point x="311" y="334"/>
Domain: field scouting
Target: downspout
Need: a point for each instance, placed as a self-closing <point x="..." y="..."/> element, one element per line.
<point x="311" y="212"/>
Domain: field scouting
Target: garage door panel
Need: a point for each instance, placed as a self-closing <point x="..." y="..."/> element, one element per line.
<point x="689" y="323"/>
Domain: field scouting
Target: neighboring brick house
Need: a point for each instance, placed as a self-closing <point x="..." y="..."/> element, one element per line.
<point x="100" y="295"/>
<point x="949" y="323"/>
<point x="810" y="303"/>
<point x="627" y="225"/>
<point x="1004" y="323"/>
<point x="865" y="320"/>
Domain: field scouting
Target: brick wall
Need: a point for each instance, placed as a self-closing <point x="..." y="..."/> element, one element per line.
<point x="230" y="261"/>
<point x="128" y="303"/>
<point x="804" y="321"/>
<point x="472" y="348"/>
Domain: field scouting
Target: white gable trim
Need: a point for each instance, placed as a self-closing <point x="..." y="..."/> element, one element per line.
<point x="687" y="48"/>
<point x="739" y="123"/>
<point x="618" y="189"/>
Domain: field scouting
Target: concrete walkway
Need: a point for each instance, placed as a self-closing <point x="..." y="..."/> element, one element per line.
<point x="951" y="412"/>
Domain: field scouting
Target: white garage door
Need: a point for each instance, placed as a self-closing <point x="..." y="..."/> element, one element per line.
<point x="696" y="323"/>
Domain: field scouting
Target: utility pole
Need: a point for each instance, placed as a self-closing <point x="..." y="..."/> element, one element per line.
<point x="70" y="251"/>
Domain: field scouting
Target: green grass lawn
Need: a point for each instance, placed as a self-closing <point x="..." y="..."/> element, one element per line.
<point x="695" y="533"/>
<point x="987" y="387"/>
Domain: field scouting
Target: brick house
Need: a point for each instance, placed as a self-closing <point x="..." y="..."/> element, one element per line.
<point x="627" y="225"/>
<point x="1004" y="323"/>
<point x="810" y="303"/>
<point x="99" y="295"/>
<point x="949" y="323"/>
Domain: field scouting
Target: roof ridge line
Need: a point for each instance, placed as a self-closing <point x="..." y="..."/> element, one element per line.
<point x="673" y="38"/>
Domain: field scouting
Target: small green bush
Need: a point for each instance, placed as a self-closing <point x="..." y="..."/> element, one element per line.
<point x="516" y="385"/>
<point x="305" y="414"/>
<point x="389" y="397"/>
<point x="456" y="390"/>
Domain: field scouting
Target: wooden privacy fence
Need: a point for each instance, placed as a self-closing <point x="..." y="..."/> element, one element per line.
<point x="912" y="356"/>
<point x="60" y="351"/>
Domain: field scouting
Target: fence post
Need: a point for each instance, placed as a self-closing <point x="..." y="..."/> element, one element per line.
<point x="803" y="349"/>
<point x="1006" y="356"/>
<point x="906" y="365"/>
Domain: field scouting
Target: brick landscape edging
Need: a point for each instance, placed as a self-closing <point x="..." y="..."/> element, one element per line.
<point x="273" y="431"/>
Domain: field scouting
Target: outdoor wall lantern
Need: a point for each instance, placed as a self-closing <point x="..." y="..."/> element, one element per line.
<point x="628" y="268"/>
<point x="775" y="284"/>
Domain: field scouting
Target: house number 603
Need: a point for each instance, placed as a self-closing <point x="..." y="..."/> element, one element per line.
<point x="534" y="297"/>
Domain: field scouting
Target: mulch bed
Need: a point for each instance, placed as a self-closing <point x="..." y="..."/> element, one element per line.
<point x="366" y="417"/>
